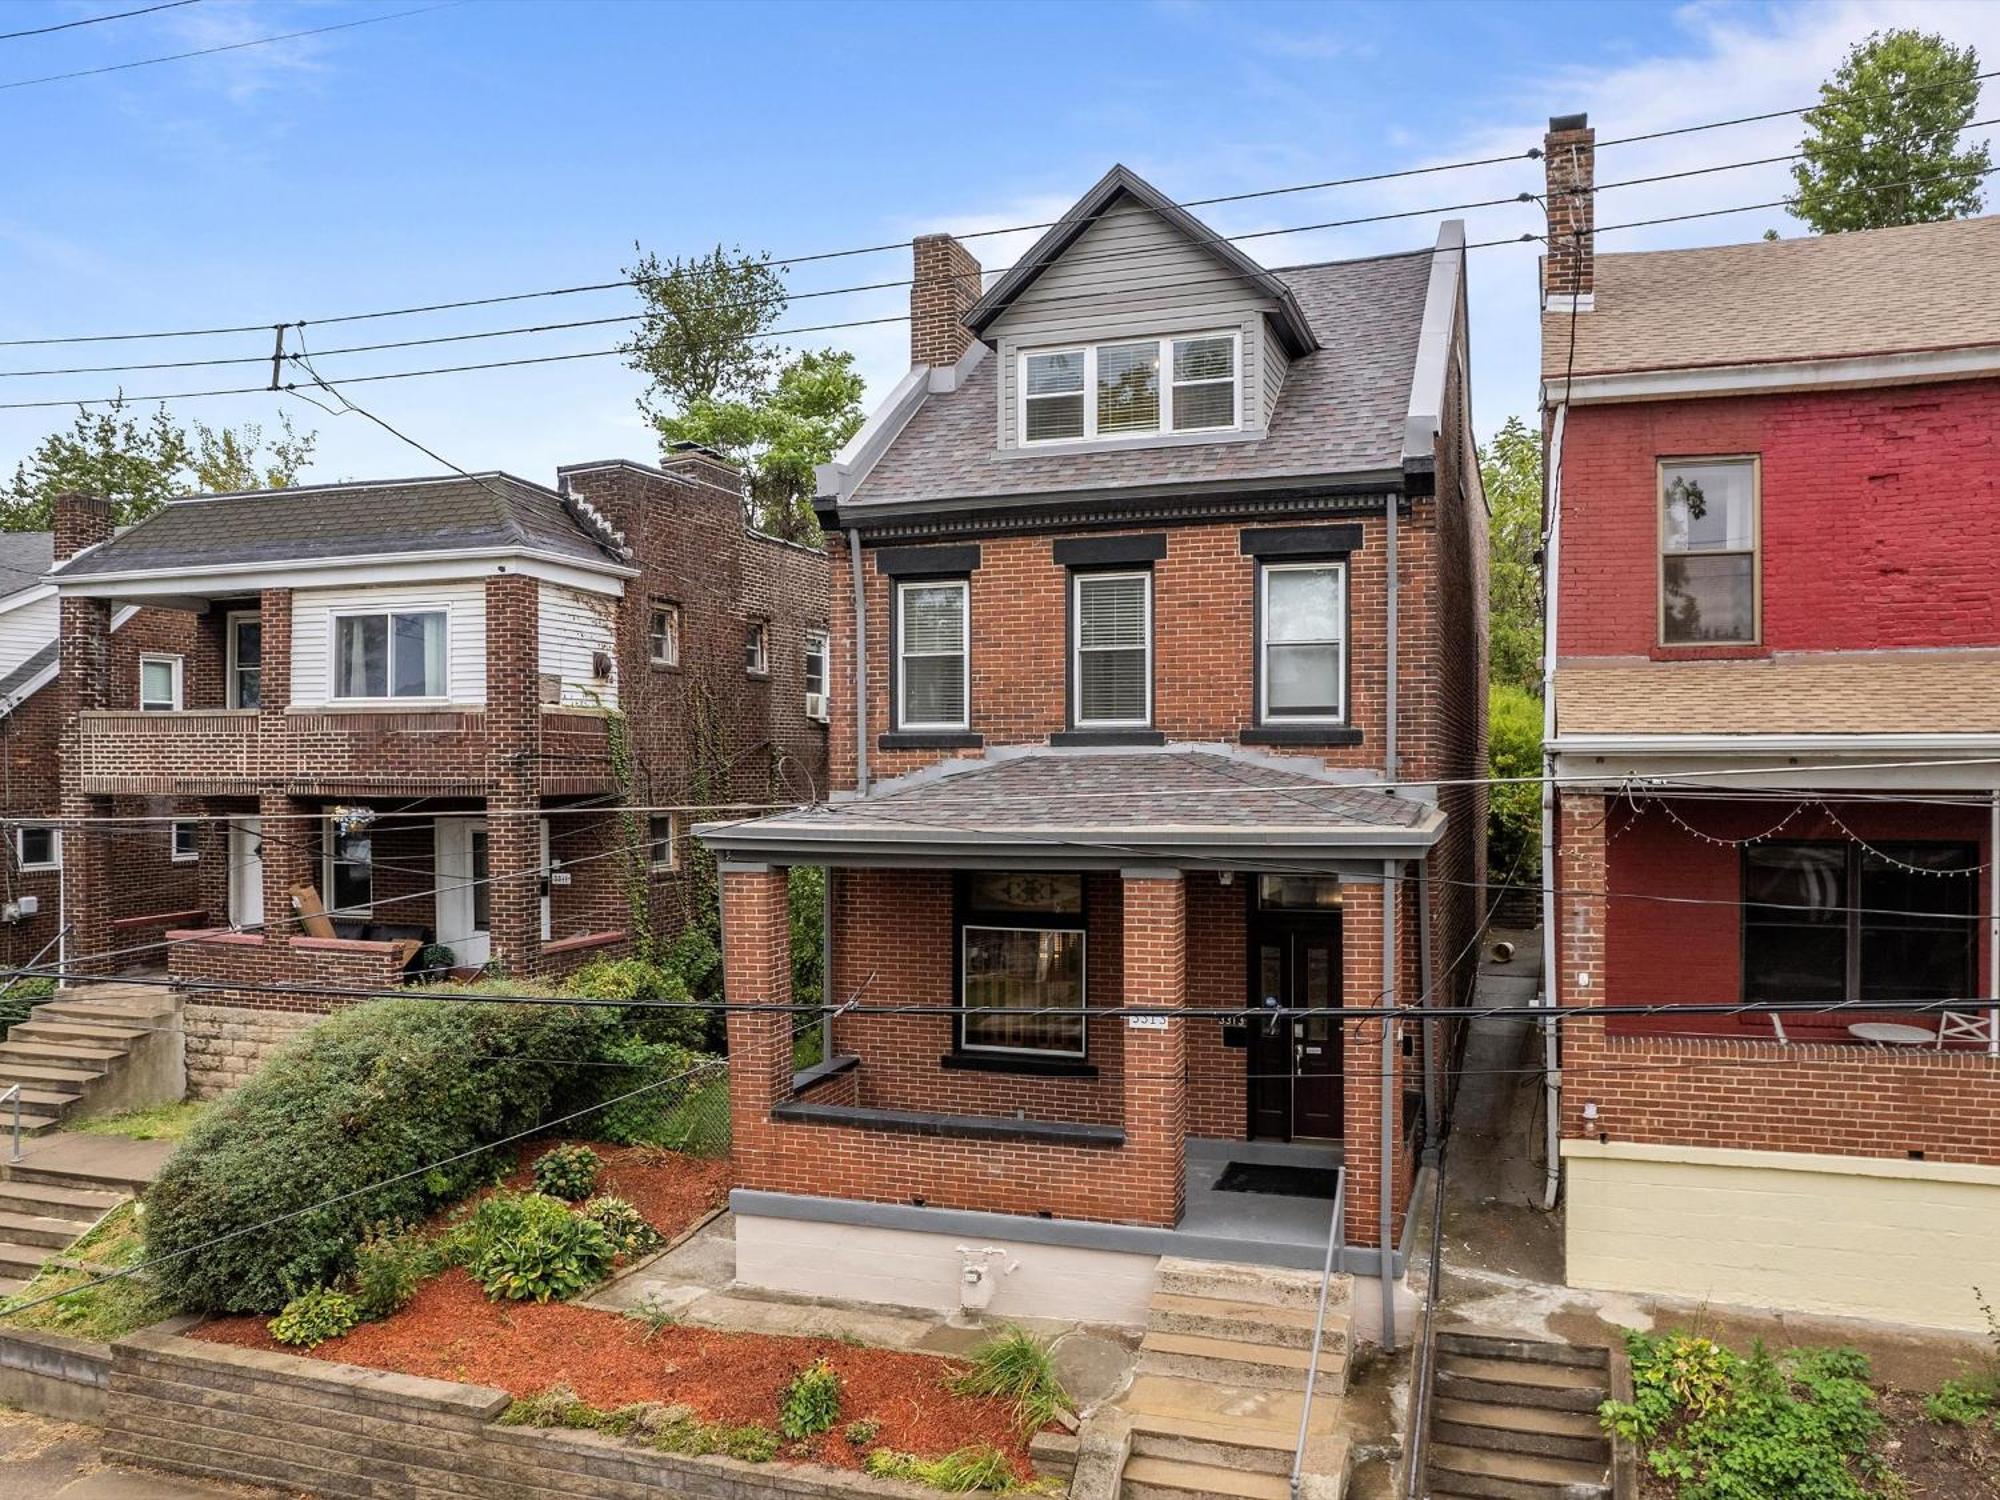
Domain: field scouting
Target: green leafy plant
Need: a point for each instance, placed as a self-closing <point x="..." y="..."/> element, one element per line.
<point x="624" y="1225"/>
<point x="1967" y="1402"/>
<point x="1720" y="1426"/>
<point x="567" y="1172"/>
<point x="812" y="1401"/>
<point x="975" y="1468"/>
<point x="341" y="1131"/>
<point x="436" y="960"/>
<point x="1015" y="1365"/>
<point x="654" y="1313"/>
<point x="862" y="1431"/>
<point x="390" y="1263"/>
<point x="313" y="1317"/>
<point x="531" y="1247"/>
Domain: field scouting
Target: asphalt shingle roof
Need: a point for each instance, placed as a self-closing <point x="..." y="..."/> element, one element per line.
<point x="314" y="522"/>
<point x="1872" y="291"/>
<point x="24" y="557"/>
<point x="1341" y="409"/>
<point x="12" y="684"/>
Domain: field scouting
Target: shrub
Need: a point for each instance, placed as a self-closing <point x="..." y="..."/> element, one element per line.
<point x="313" y="1317"/>
<point x="862" y="1431"/>
<point x="390" y="1263"/>
<point x="812" y="1401"/>
<point x="374" y="1114"/>
<point x="623" y="1225"/>
<point x="1514" y="809"/>
<point x="637" y="982"/>
<point x="650" y="1118"/>
<point x="567" y="1172"/>
<point x="531" y="1247"/>
<point x="979" y="1468"/>
<point x="1016" y="1365"/>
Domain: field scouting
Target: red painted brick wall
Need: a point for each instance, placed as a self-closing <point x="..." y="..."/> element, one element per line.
<point x="1878" y="513"/>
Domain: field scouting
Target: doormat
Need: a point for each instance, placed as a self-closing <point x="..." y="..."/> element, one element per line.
<point x="1278" y="1181"/>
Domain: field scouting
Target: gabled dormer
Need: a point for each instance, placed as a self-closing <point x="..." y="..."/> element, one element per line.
<point x="1131" y="323"/>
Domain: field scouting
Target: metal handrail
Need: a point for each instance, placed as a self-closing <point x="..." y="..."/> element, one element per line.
<point x="35" y="962"/>
<point x="1334" y="1236"/>
<point x="13" y="1092"/>
<point x="1420" y="1400"/>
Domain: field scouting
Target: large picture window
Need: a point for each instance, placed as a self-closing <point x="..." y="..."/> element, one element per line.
<point x="1828" y="923"/>
<point x="350" y="872"/>
<point x="1112" y="634"/>
<point x="1021" y="956"/>
<point x="1708" y="552"/>
<point x="1302" y="622"/>
<point x="1133" y="389"/>
<point x="393" y="654"/>
<point x="932" y="651"/>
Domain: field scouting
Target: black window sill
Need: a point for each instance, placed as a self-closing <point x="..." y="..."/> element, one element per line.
<point x="1298" y="734"/>
<point x="914" y="739"/>
<point x="1071" y="737"/>
<point x="950" y="1127"/>
<point x="1038" y="1067"/>
<point x="818" y="1073"/>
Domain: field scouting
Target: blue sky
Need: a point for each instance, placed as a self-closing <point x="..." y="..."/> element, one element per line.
<point x="499" y="146"/>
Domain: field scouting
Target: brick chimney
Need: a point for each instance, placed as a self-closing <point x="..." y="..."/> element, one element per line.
<point x="80" y="521"/>
<point x="1569" y="158"/>
<point x="946" y="285"/>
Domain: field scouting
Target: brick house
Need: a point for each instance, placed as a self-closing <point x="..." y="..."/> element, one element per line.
<point x="1121" y="685"/>
<point x="1775" y="621"/>
<point x="412" y="698"/>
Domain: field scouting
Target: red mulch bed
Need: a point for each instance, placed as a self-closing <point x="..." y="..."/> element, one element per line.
<point x="450" y="1331"/>
<point x="670" y="1190"/>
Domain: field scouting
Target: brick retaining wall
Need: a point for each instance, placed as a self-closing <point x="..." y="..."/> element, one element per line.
<point x="339" y="1430"/>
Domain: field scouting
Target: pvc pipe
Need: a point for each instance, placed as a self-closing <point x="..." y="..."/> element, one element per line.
<point x="1992" y="925"/>
<point x="1387" y="1193"/>
<point x="1392" y="598"/>
<point x="860" y="662"/>
<point x="1433" y="1042"/>
<point x="1551" y="1035"/>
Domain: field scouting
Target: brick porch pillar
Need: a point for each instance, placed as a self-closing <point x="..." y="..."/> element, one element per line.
<point x="1363" y="985"/>
<point x="290" y="839"/>
<point x="756" y="969"/>
<point x="515" y="866"/>
<point x="1583" y="871"/>
<point x="81" y="686"/>
<point x="1155" y="969"/>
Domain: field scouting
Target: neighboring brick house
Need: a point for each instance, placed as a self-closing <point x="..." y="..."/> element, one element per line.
<point x="1122" y="732"/>
<point x="414" y="697"/>
<point x="1775" y="596"/>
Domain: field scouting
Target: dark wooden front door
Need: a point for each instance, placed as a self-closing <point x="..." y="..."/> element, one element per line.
<point x="1295" y="1064"/>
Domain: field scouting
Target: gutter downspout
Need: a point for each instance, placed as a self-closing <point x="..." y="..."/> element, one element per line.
<point x="1391" y="880"/>
<point x="860" y="662"/>
<point x="1433" y="1042"/>
<point x="1551" y="1038"/>
<point x="1389" y="761"/>
<point x="826" y="964"/>
<point x="1993" y="927"/>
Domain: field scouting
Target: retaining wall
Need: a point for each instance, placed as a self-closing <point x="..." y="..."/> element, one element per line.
<point x="54" y="1375"/>
<point x="227" y="1043"/>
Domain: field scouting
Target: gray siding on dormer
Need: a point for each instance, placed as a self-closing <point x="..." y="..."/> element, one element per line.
<point x="1270" y="380"/>
<point x="1130" y="275"/>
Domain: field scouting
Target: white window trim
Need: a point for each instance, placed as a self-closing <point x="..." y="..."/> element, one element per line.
<point x="1265" y="716"/>
<point x="672" y="861"/>
<point x="1166" y="428"/>
<point x="174" y="842"/>
<point x="903" y="720"/>
<point x="1145" y="720"/>
<point x="672" y="635"/>
<point x="758" y="631"/>
<point x="231" y="694"/>
<point x="1755" y="551"/>
<point x="329" y="836"/>
<point x="55" y="848"/>
<point x="1083" y="999"/>
<point x="153" y="658"/>
<point x="819" y="643"/>
<point x="333" y="619"/>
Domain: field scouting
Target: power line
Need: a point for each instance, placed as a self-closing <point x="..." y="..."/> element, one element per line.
<point x="1778" y="114"/>
<point x="122" y="15"/>
<point x="261" y="41"/>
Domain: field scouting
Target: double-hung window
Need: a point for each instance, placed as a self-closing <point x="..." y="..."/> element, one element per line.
<point x="757" y="649"/>
<point x="160" y="684"/>
<point x="350" y="871"/>
<point x="1708" y="552"/>
<point x="663" y="635"/>
<point x="1302" y="634"/>
<point x="660" y="853"/>
<point x="246" y="660"/>
<point x="186" y="842"/>
<point x="816" y="674"/>
<point x="933" y="652"/>
<point x="389" y="654"/>
<point x="1136" y="388"/>
<point x="1021" y="964"/>
<point x="1112" y="638"/>
<point x="37" y="847"/>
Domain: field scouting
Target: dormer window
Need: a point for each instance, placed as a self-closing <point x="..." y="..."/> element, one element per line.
<point x="1114" y="390"/>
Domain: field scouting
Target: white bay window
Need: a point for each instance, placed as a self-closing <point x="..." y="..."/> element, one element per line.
<point x="1114" y="390"/>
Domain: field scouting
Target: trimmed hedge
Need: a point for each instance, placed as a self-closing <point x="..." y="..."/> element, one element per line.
<point x="369" y="1093"/>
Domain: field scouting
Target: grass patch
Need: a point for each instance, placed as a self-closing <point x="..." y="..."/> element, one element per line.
<point x="158" y="1122"/>
<point x="699" y="1123"/>
<point x="104" y="1312"/>
<point x="967" y="1469"/>
<point x="1015" y="1365"/>
<point x="671" y="1429"/>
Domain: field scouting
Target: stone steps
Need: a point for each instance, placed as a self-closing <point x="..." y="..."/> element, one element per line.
<point x="1243" y="1322"/>
<point x="1515" y="1419"/>
<point x="1233" y="1362"/>
<point x="1482" y="1475"/>
<point x="46" y="1201"/>
<point x="1163" y="1479"/>
<point x="70" y="1052"/>
<point x="1521" y="1429"/>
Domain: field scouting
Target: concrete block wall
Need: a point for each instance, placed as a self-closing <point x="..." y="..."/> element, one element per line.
<point x="228" y="1043"/>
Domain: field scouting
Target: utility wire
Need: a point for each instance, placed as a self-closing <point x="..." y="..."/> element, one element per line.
<point x="121" y="15"/>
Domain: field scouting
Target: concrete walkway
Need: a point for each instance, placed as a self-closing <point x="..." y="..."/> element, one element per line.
<point x="62" y="1461"/>
<point x="108" y="1163"/>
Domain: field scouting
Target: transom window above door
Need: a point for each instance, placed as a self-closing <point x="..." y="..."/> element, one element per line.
<point x="390" y="654"/>
<point x="1135" y="388"/>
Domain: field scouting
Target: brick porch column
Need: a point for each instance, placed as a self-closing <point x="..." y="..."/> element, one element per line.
<point x="290" y="837"/>
<point x="1362" y="985"/>
<point x="513" y="746"/>
<point x="756" y="969"/>
<point x="1155" y="968"/>
<point x="82" y="685"/>
<point x="1583" y="871"/>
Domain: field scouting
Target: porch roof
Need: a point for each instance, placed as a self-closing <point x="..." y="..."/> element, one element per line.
<point x="1099" y="810"/>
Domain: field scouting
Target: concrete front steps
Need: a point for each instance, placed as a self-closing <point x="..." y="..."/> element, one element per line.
<point x="1214" y="1406"/>
<point x="1515" y="1419"/>
<point x="95" y="1049"/>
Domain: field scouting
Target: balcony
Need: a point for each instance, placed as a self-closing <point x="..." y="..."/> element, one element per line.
<point x="222" y="752"/>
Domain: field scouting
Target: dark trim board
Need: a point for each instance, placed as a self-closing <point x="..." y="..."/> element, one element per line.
<point x="1108" y="551"/>
<point x="1301" y="541"/>
<point x="927" y="562"/>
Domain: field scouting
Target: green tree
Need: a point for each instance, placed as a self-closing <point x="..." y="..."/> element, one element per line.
<point x="138" y="465"/>
<point x="780" y="435"/>
<point x="1881" y="146"/>
<point x="1511" y="468"/>
<point x="1513" y="807"/>
<point x="698" y="335"/>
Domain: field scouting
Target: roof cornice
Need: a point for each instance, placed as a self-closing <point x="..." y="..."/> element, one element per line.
<point x="1850" y="372"/>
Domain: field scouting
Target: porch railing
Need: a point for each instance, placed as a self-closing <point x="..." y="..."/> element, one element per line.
<point x="1335" y="1233"/>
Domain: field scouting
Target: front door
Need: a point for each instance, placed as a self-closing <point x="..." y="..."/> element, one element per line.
<point x="246" y="873"/>
<point x="462" y="890"/>
<point x="1295" y="1064"/>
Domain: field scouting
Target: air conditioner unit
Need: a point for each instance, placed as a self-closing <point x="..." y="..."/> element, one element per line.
<point x="816" y="706"/>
